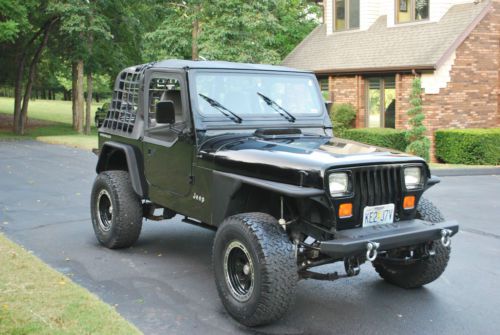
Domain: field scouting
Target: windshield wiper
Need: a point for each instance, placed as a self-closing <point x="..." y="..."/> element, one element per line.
<point x="274" y="105"/>
<point x="222" y="109"/>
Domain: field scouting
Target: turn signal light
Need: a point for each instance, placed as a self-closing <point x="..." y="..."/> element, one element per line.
<point x="409" y="202"/>
<point x="345" y="210"/>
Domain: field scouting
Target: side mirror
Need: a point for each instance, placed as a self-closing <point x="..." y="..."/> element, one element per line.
<point x="328" y="105"/>
<point x="165" y="112"/>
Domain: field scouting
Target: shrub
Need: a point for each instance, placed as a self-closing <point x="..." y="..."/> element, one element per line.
<point x="468" y="146"/>
<point x="418" y="144"/>
<point x="342" y="116"/>
<point x="382" y="137"/>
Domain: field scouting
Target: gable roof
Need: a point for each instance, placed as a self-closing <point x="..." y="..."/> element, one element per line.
<point x="405" y="46"/>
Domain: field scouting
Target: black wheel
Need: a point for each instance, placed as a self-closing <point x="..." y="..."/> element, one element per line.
<point x="116" y="210"/>
<point x="424" y="270"/>
<point x="255" y="268"/>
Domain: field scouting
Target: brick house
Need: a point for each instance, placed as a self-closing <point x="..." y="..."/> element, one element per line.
<point x="367" y="53"/>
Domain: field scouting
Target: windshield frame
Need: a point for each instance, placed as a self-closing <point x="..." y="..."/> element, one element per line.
<point x="269" y="120"/>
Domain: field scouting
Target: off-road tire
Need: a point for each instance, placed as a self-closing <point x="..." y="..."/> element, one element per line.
<point x="126" y="220"/>
<point x="275" y="268"/>
<point x="423" y="271"/>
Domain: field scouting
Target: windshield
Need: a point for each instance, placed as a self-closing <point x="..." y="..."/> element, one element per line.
<point x="289" y="95"/>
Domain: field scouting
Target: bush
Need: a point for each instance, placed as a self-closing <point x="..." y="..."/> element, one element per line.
<point x="418" y="144"/>
<point x="342" y="116"/>
<point x="382" y="137"/>
<point x="468" y="146"/>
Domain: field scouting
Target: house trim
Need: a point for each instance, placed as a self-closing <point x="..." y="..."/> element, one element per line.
<point x="486" y="10"/>
<point x="377" y="70"/>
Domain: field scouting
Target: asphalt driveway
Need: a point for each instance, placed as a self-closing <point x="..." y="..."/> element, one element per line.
<point x="164" y="284"/>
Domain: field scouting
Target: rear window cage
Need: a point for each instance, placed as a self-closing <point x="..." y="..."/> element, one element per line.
<point x="122" y="113"/>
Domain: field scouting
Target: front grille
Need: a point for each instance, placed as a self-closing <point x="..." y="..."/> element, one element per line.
<point x="372" y="186"/>
<point x="377" y="186"/>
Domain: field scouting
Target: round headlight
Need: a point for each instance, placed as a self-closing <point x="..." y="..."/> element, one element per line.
<point x="413" y="178"/>
<point x="339" y="183"/>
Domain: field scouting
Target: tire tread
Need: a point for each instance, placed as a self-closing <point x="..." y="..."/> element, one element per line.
<point x="423" y="271"/>
<point x="276" y="254"/>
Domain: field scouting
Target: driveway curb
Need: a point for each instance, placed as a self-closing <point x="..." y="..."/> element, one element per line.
<point x="466" y="172"/>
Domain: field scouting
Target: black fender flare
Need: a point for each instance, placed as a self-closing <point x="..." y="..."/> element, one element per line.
<point x="229" y="183"/>
<point x="133" y="158"/>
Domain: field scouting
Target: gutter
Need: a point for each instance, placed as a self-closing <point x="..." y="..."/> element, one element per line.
<point x="408" y="69"/>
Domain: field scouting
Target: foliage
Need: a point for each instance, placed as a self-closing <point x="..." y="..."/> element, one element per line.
<point x="232" y="30"/>
<point x="419" y="144"/>
<point x="13" y="19"/>
<point x="468" y="146"/>
<point x="382" y="137"/>
<point x="342" y="116"/>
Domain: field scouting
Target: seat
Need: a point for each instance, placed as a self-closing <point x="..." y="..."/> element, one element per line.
<point x="175" y="97"/>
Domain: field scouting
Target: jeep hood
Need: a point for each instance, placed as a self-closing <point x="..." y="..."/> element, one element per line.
<point x="300" y="160"/>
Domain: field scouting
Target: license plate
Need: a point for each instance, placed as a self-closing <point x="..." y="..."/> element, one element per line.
<point x="378" y="215"/>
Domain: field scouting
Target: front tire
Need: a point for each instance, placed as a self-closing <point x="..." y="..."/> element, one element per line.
<point x="255" y="268"/>
<point x="116" y="210"/>
<point x="424" y="270"/>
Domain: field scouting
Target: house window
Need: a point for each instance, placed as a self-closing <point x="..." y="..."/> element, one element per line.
<point x="325" y="88"/>
<point x="411" y="10"/>
<point x="381" y="102"/>
<point x="346" y="14"/>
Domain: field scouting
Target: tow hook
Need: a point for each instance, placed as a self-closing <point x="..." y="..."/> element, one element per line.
<point x="445" y="237"/>
<point x="371" y="250"/>
<point x="351" y="266"/>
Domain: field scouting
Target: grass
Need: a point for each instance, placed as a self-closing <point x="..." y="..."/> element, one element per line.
<point x="56" y="126"/>
<point x="35" y="299"/>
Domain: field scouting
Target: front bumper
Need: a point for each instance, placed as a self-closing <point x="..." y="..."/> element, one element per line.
<point x="351" y="242"/>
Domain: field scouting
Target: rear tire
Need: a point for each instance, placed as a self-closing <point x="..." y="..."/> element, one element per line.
<point x="116" y="210"/>
<point x="255" y="268"/>
<point x="425" y="270"/>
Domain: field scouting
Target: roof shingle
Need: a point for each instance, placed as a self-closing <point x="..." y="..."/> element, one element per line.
<point x="418" y="45"/>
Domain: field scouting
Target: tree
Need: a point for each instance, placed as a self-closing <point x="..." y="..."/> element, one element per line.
<point x="235" y="30"/>
<point x="23" y="48"/>
<point x="82" y="23"/>
<point x="105" y="36"/>
<point x="419" y="143"/>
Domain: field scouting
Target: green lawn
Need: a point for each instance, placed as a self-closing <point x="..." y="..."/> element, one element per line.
<point x="56" y="128"/>
<point x="35" y="299"/>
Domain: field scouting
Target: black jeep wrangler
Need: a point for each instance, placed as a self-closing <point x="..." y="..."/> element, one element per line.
<point x="248" y="150"/>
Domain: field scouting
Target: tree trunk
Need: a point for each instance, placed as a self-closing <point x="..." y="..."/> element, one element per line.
<point x="194" y="42"/>
<point x="89" y="103"/>
<point x="79" y="100"/>
<point x="96" y="97"/>
<point x="31" y="77"/>
<point x="18" y="93"/>
<point x="19" y="119"/>
<point x="73" y="91"/>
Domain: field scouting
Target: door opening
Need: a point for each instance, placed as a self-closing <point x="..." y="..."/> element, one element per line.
<point x="381" y="96"/>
